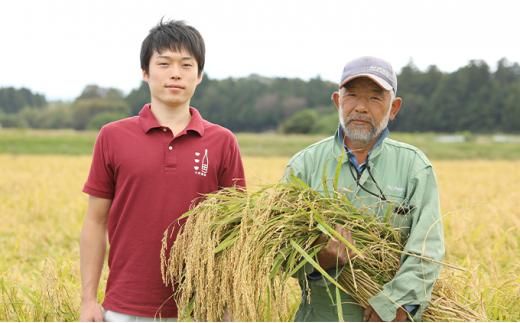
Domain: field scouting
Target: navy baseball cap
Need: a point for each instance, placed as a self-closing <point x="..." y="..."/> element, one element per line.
<point x="380" y="71"/>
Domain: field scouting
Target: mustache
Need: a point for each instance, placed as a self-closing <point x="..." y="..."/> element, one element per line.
<point x="360" y="118"/>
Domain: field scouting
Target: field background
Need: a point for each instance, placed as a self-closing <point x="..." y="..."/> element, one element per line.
<point x="42" y="209"/>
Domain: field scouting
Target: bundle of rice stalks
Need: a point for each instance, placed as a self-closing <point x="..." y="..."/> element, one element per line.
<point x="237" y="252"/>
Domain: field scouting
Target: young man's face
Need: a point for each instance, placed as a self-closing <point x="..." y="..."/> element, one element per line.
<point x="364" y="109"/>
<point x="172" y="77"/>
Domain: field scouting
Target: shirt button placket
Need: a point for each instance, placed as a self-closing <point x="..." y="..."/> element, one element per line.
<point x="171" y="159"/>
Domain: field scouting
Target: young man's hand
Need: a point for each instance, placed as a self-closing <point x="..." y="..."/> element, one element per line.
<point x="334" y="252"/>
<point x="371" y="315"/>
<point x="91" y="312"/>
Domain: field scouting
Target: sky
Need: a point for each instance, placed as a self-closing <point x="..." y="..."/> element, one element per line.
<point x="57" y="47"/>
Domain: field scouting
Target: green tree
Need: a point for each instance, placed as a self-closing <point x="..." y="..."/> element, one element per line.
<point x="55" y="116"/>
<point x="14" y="100"/>
<point x="99" y="120"/>
<point x="11" y="121"/>
<point x="138" y="97"/>
<point x="301" y="122"/>
<point x="326" y="123"/>
<point x="510" y="116"/>
<point x="95" y="100"/>
<point x="83" y="111"/>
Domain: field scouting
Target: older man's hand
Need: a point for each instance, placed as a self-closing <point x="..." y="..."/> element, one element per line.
<point x="334" y="252"/>
<point x="371" y="315"/>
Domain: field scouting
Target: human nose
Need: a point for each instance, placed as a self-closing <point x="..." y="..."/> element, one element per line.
<point x="361" y="106"/>
<point x="175" y="72"/>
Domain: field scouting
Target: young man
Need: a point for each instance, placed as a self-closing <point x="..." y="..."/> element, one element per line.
<point x="146" y="172"/>
<point x="377" y="172"/>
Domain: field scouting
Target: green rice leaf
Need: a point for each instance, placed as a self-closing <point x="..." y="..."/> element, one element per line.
<point x="316" y="266"/>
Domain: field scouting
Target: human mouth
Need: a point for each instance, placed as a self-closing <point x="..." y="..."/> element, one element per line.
<point x="357" y="119"/>
<point x="359" y="122"/>
<point x="174" y="87"/>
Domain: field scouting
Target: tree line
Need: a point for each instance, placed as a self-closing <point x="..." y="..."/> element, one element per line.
<point x="472" y="98"/>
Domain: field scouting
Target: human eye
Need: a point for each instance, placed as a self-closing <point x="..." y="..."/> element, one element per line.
<point x="162" y="64"/>
<point x="187" y="65"/>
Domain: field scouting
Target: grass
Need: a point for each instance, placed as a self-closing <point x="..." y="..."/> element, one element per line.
<point x="46" y="142"/>
<point x="69" y="142"/>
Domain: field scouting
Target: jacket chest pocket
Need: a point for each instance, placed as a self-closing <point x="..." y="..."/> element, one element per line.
<point x="401" y="215"/>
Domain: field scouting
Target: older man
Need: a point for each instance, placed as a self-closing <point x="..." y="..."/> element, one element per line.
<point x="378" y="172"/>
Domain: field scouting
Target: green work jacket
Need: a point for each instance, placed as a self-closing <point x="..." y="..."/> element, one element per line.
<point x="405" y="177"/>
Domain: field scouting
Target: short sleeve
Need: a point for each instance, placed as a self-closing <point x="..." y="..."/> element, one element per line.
<point x="232" y="170"/>
<point x="100" y="181"/>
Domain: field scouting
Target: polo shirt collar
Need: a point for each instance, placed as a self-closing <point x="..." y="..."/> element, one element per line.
<point x="148" y="121"/>
<point x="196" y="123"/>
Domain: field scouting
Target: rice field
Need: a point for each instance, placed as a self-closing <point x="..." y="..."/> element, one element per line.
<point x="42" y="209"/>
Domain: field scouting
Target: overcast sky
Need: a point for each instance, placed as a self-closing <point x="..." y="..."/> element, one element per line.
<point x="57" y="47"/>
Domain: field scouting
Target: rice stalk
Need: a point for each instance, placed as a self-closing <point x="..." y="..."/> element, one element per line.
<point x="237" y="252"/>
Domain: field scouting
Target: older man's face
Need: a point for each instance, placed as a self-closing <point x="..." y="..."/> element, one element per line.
<point x="364" y="109"/>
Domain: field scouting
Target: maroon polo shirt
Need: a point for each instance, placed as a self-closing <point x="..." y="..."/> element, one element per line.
<point x="152" y="177"/>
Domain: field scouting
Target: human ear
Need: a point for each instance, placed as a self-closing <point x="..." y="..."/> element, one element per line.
<point x="335" y="98"/>
<point x="200" y="77"/>
<point x="396" y="106"/>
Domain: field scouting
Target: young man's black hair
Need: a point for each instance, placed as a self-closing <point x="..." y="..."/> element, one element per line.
<point x="176" y="36"/>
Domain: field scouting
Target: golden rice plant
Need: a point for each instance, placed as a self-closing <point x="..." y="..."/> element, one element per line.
<point x="237" y="252"/>
<point x="41" y="219"/>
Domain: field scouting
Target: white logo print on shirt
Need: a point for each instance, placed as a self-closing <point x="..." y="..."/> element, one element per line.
<point x="201" y="170"/>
